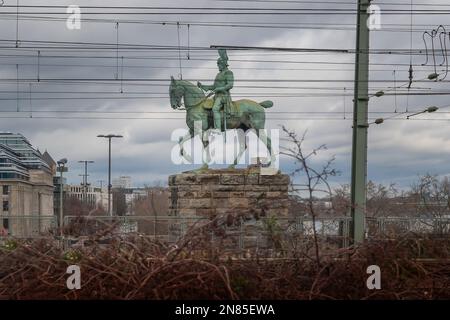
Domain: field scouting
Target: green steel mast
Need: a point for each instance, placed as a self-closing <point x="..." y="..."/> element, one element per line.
<point x="360" y="125"/>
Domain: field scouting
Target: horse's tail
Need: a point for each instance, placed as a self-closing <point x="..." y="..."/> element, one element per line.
<point x="266" y="104"/>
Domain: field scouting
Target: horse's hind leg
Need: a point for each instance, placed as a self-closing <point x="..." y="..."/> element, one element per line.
<point x="267" y="142"/>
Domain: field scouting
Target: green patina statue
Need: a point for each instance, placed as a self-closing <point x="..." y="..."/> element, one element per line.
<point x="221" y="88"/>
<point x="226" y="114"/>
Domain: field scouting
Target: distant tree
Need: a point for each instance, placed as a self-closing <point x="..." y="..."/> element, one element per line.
<point x="74" y="207"/>
<point x="432" y="196"/>
<point x="155" y="204"/>
<point x="380" y="199"/>
<point x="99" y="211"/>
<point x="341" y="200"/>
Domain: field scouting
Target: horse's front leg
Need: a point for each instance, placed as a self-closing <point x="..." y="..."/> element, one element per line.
<point x="242" y="142"/>
<point x="205" y="140"/>
<point x="181" y="142"/>
<point x="207" y="157"/>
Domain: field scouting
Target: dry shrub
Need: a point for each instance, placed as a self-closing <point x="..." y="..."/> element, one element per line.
<point x="136" y="267"/>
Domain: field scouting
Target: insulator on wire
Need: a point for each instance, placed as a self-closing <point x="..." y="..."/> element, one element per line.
<point x="410" y="76"/>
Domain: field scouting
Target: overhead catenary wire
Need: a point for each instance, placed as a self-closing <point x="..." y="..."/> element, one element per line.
<point x="311" y="112"/>
<point x="179" y="51"/>
<point x="219" y="23"/>
<point x="395" y="92"/>
<point x="17" y="24"/>
<point x="164" y="10"/>
<point x="17" y="86"/>
<point x="411" y="70"/>
<point x="121" y="75"/>
<point x="162" y="85"/>
<point x="116" y="75"/>
<point x="38" y="65"/>
<point x="132" y="82"/>
<point x="392" y="3"/>
<point x="271" y="25"/>
<point x="73" y="45"/>
<point x="237" y="95"/>
<point x="309" y="2"/>
<point x="184" y="119"/>
<point x="188" y="55"/>
<point x="31" y="103"/>
<point x="159" y="95"/>
<point x="103" y="57"/>
<point x="141" y="66"/>
<point x="273" y="80"/>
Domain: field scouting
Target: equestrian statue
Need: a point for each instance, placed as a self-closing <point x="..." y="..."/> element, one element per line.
<point x="219" y="113"/>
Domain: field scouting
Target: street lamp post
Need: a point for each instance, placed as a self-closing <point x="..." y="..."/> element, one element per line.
<point x="109" y="137"/>
<point x="101" y="192"/>
<point x="61" y="168"/>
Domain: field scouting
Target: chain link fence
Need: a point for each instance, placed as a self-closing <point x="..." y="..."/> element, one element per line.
<point x="267" y="234"/>
<point x="234" y="233"/>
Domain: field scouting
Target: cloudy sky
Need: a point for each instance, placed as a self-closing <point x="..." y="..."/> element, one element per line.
<point x="77" y="96"/>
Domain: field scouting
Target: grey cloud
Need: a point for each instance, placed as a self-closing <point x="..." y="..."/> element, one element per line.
<point x="398" y="150"/>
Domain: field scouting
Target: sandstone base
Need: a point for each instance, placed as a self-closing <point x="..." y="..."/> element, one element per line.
<point x="233" y="191"/>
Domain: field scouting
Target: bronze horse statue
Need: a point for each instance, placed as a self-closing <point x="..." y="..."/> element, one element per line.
<point x="244" y="114"/>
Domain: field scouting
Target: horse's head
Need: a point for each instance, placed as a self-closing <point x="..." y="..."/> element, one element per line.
<point x="182" y="89"/>
<point x="176" y="92"/>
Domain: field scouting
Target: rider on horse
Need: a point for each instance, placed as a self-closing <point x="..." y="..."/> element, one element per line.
<point x="223" y="83"/>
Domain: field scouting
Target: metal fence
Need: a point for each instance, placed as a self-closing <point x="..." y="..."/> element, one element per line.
<point x="263" y="233"/>
<point x="398" y="226"/>
<point x="166" y="228"/>
<point x="238" y="234"/>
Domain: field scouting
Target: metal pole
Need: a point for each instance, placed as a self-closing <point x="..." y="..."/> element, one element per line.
<point x="360" y="125"/>
<point x="85" y="183"/>
<point x="109" y="178"/>
<point x="109" y="136"/>
<point x="85" y="180"/>
<point x="61" y="184"/>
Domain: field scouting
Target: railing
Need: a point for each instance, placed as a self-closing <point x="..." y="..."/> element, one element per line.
<point x="263" y="233"/>
<point x="397" y="226"/>
<point x="167" y="228"/>
<point x="239" y="234"/>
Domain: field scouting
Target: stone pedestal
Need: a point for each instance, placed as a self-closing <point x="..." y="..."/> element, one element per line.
<point x="233" y="191"/>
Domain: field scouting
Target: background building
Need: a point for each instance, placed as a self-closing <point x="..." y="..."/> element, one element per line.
<point x="131" y="196"/>
<point x="74" y="202"/>
<point x="26" y="183"/>
<point x="123" y="182"/>
<point x="96" y="197"/>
